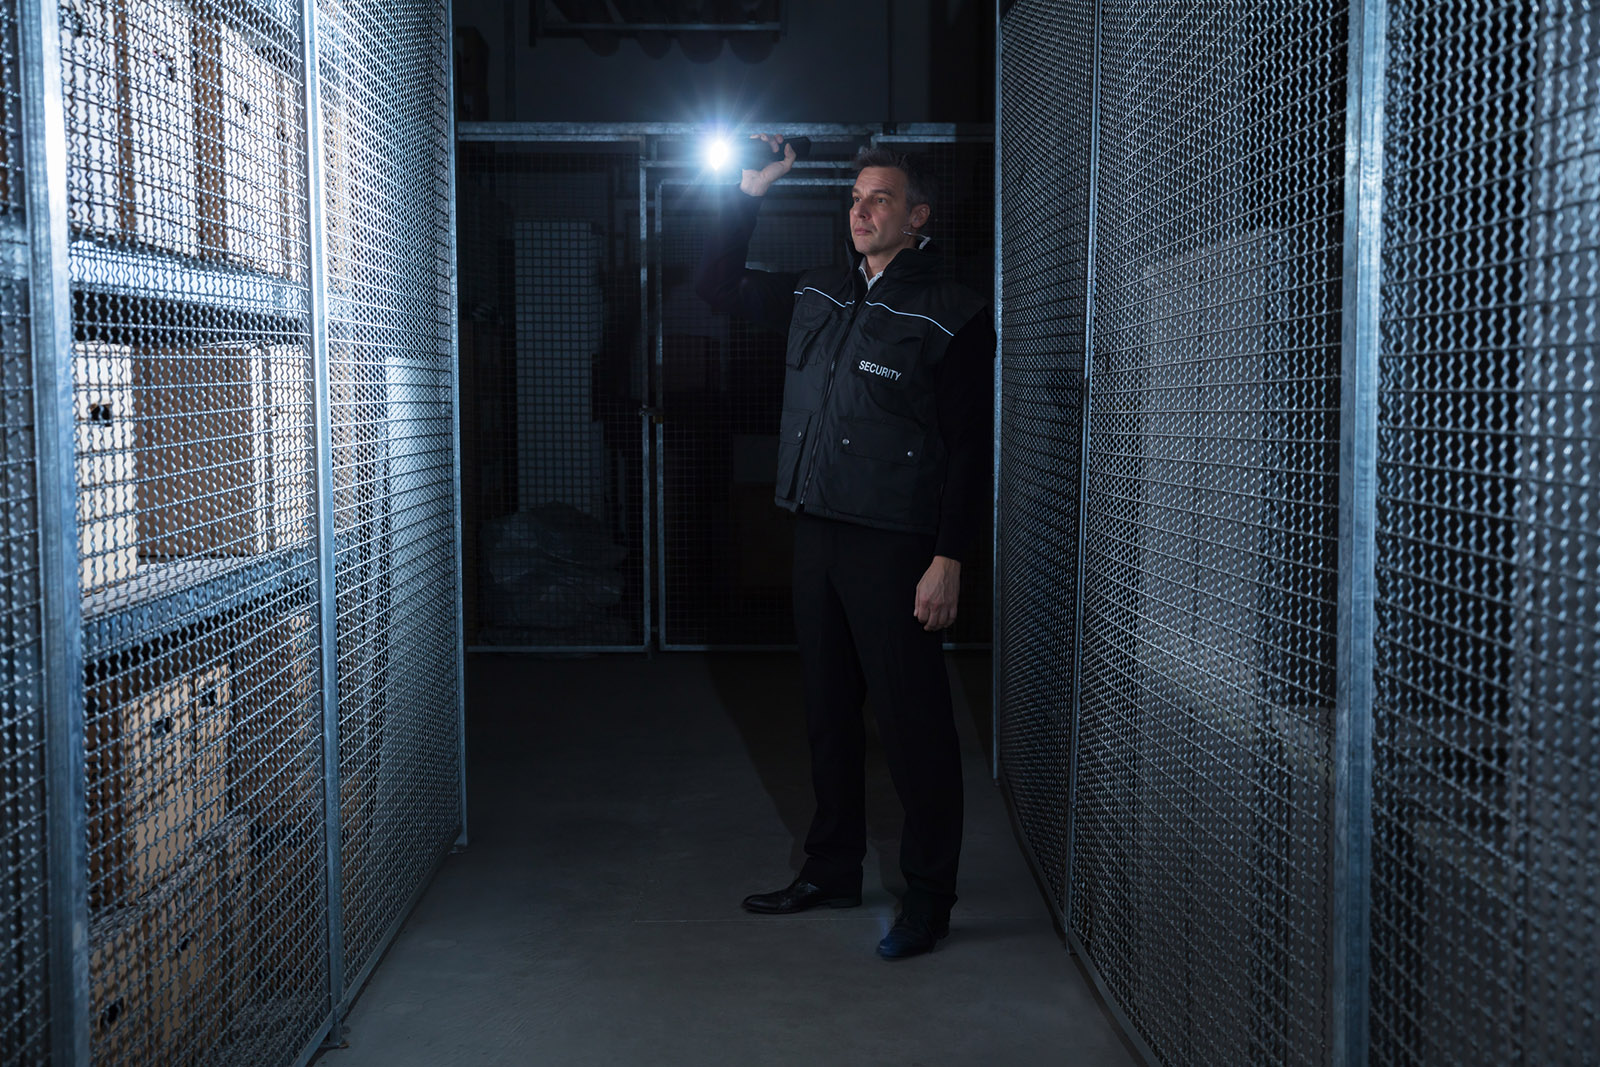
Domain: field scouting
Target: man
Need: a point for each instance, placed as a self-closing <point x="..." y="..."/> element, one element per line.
<point x="882" y="446"/>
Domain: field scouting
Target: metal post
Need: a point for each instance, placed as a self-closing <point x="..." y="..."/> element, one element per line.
<point x="997" y="571"/>
<point x="455" y="438"/>
<point x="322" y="411"/>
<point x="652" y="248"/>
<point x="1358" y="446"/>
<point x="1076" y="706"/>
<point x="649" y="415"/>
<point x="44" y="166"/>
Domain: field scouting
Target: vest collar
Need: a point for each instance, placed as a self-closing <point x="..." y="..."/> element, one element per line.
<point x="909" y="264"/>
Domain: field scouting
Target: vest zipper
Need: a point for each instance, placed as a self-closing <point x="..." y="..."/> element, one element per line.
<point x="827" y="391"/>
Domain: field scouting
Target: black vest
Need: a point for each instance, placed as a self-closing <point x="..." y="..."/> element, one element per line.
<point x="859" y="439"/>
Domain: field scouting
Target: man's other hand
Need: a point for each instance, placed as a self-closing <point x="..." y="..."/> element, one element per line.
<point x="757" y="182"/>
<point x="937" y="594"/>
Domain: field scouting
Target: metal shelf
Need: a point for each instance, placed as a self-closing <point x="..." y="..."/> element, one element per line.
<point x="163" y="597"/>
<point x="162" y="276"/>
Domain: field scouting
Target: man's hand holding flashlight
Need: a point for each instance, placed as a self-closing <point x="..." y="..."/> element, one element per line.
<point x="757" y="182"/>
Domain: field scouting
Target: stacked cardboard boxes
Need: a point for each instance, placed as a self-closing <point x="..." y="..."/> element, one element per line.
<point x="164" y="968"/>
<point x="156" y="787"/>
<point x="103" y="397"/>
<point x="180" y="134"/>
<point x="225" y="457"/>
<point x="250" y="190"/>
<point x="275" y="768"/>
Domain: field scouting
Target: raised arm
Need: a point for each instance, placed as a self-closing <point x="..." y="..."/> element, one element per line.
<point x="722" y="279"/>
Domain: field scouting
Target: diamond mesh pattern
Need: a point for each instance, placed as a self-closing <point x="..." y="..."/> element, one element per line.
<point x="24" y="978"/>
<point x="552" y="384"/>
<point x="390" y="262"/>
<point x="727" y="549"/>
<point x="1485" y="839"/>
<point x="1047" y="86"/>
<point x="1202" y="842"/>
<point x="193" y="404"/>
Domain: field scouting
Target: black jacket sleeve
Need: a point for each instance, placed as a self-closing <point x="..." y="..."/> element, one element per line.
<point x="731" y="288"/>
<point x="966" y="418"/>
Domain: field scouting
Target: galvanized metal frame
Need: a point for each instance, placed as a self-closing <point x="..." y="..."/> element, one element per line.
<point x="1358" y="464"/>
<point x="1075" y="711"/>
<point x="579" y="133"/>
<point x="663" y="639"/>
<point x="455" y="435"/>
<point x="656" y="631"/>
<point x="650" y="484"/>
<point x="322" y="417"/>
<point x="654" y="171"/>
<point x="56" y="267"/>
<point x="44" y="170"/>
<point x="996" y="689"/>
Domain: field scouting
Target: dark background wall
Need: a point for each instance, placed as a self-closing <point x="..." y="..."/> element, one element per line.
<point x="839" y="61"/>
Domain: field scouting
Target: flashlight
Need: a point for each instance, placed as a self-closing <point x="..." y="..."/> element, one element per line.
<point x="750" y="153"/>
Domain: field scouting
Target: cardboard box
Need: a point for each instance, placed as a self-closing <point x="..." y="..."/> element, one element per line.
<point x="225" y="463"/>
<point x="338" y="206"/>
<point x="130" y="110"/>
<point x="106" y="551"/>
<point x="251" y="190"/>
<point x="155" y="786"/>
<point x="160" y="197"/>
<point x="275" y="745"/>
<point x="119" y="981"/>
<point x="195" y="928"/>
<point x="94" y="64"/>
<point x="261" y="171"/>
<point x="103" y="410"/>
<point x="106" y="534"/>
<point x="288" y="934"/>
<point x="166" y="971"/>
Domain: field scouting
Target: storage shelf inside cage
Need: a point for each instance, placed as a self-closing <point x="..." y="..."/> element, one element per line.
<point x="160" y="597"/>
<point x="163" y="276"/>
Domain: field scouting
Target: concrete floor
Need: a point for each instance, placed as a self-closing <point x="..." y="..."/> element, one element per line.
<point x="620" y="807"/>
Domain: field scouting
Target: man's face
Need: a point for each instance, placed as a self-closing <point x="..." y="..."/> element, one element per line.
<point x="879" y="214"/>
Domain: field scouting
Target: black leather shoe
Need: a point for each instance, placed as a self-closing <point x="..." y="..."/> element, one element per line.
<point x="912" y="935"/>
<point x="799" y="895"/>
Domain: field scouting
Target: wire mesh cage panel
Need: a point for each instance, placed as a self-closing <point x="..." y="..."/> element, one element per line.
<point x="24" y="905"/>
<point x="552" y="386"/>
<point x="194" y="440"/>
<point x="726" y="547"/>
<point x="192" y="411"/>
<point x="390" y="261"/>
<point x="1203" y="792"/>
<point x="1046" y="107"/>
<point x="1485" y="841"/>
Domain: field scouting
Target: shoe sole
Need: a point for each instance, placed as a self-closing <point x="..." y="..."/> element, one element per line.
<point x="836" y="902"/>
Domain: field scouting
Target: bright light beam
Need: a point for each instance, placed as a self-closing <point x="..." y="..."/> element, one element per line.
<point x="718" y="152"/>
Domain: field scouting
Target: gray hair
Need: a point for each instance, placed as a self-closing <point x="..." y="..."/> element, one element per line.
<point x="918" y="189"/>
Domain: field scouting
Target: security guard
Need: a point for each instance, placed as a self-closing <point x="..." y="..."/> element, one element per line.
<point x="882" y="454"/>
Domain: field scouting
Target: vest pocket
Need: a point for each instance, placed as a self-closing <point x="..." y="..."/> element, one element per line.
<point x="880" y="465"/>
<point x="900" y="445"/>
<point x="792" y="430"/>
<point x="809" y="319"/>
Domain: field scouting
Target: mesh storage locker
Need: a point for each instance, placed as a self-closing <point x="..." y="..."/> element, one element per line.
<point x="1317" y="785"/>
<point x="258" y="615"/>
<point x="624" y="435"/>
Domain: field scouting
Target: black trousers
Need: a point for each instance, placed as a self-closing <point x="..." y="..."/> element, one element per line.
<point x="854" y="602"/>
